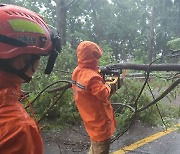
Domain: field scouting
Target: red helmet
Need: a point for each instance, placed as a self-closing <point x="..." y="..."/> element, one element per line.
<point x="23" y="31"/>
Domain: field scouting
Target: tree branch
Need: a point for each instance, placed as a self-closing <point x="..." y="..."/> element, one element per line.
<point x="145" y="67"/>
<point x="168" y="90"/>
<point x="68" y="5"/>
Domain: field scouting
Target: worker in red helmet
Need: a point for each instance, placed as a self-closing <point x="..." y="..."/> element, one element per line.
<point x="91" y="96"/>
<point x="24" y="38"/>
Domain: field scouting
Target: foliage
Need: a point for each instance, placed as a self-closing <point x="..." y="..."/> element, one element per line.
<point x="174" y="44"/>
<point x="64" y="111"/>
<point x="122" y="119"/>
<point x="107" y="54"/>
<point x="128" y="94"/>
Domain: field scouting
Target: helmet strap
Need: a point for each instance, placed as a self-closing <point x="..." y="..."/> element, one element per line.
<point x="50" y="64"/>
<point x="8" y="68"/>
<point x="12" y="41"/>
<point x="21" y="73"/>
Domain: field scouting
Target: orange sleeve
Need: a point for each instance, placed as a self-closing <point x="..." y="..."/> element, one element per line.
<point x="22" y="140"/>
<point x="99" y="89"/>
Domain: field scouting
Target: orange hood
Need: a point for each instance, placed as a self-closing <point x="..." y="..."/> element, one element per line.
<point x="88" y="54"/>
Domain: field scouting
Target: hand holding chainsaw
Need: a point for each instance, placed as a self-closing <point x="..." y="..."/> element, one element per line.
<point x="115" y="82"/>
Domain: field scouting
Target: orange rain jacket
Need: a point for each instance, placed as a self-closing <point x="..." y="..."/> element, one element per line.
<point x="91" y="94"/>
<point x="18" y="132"/>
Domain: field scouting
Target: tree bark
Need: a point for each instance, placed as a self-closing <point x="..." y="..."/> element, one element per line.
<point x="61" y="13"/>
<point x="97" y="26"/>
<point x="151" y="33"/>
<point x="167" y="91"/>
<point x="178" y="18"/>
<point x="143" y="67"/>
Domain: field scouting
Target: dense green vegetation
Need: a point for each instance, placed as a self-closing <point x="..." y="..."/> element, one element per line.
<point x="137" y="31"/>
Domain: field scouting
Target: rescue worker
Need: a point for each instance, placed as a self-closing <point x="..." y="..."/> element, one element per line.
<point x="91" y="96"/>
<point x="24" y="37"/>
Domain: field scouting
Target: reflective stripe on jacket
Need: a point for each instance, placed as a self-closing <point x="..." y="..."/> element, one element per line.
<point x="18" y="132"/>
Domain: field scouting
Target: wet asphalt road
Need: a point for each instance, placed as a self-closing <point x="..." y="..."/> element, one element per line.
<point x="169" y="144"/>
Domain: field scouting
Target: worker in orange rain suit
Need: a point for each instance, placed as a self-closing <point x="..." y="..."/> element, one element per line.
<point x="24" y="37"/>
<point x="92" y="98"/>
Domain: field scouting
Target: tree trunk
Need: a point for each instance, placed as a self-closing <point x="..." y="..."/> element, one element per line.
<point x="141" y="67"/>
<point x="151" y="33"/>
<point x="178" y="27"/>
<point x="97" y="26"/>
<point x="61" y="12"/>
<point x="73" y="41"/>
